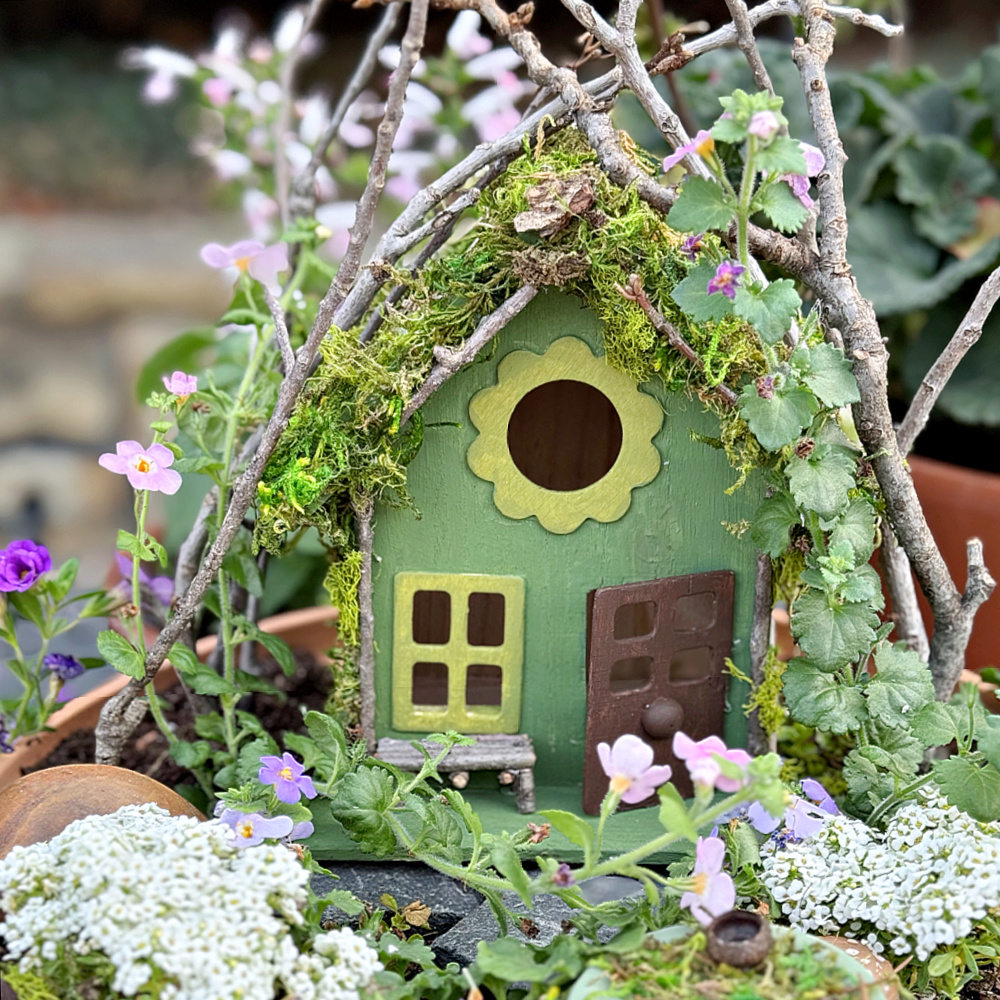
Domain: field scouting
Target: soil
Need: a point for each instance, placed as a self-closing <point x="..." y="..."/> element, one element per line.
<point x="987" y="987"/>
<point x="147" y="752"/>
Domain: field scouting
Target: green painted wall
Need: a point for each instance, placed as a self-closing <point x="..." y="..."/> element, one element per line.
<point x="673" y="527"/>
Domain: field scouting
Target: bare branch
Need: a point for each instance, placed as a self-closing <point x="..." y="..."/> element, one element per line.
<point x="280" y="330"/>
<point x="302" y="202"/>
<point x="903" y="594"/>
<point x="634" y="292"/>
<point x="969" y="331"/>
<point x="451" y="361"/>
<point x="363" y="512"/>
<point x="748" y="45"/>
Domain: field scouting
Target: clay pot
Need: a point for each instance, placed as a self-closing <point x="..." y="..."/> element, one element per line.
<point x="40" y="805"/>
<point x="879" y="967"/>
<point x="309" y="629"/>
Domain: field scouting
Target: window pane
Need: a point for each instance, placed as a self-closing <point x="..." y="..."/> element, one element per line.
<point x="631" y="674"/>
<point x="633" y="620"/>
<point x="483" y="685"/>
<point x="691" y="665"/>
<point x="486" y="619"/>
<point x="431" y="617"/>
<point x="430" y="684"/>
<point x="696" y="611"/>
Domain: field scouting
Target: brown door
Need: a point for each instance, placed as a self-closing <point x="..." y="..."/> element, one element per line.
<point x="655" y="662"/>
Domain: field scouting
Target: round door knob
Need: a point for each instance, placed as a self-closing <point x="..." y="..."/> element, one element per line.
<point x="662" y="718"/>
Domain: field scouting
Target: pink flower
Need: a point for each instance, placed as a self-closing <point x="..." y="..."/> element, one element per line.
<point x="252" y="829"/>
<point x="702" y="759"/>
<point x="497" y="125"/>
<point x="815" y="161"/>
<point x="763" y="124"/>
<point x="288" y="777"/>
<point x="146" y="468"/>
<point x="464" y="38"/>
<point x="260" y="262"/>
<point x="726" y="279"/>
<point x="702" y="144"/>
<point x="799" y="183"/>
<point x="629" y="765"/>
<point x="713" y="892"/>
<point x="218" y="91"/>
<point x="180" y="384"/>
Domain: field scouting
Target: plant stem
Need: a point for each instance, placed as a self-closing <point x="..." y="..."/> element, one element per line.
<point x="746" y="196"/>
<point x="890" y="801"/>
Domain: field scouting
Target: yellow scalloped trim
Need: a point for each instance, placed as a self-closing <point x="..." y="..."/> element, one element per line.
<point x="517" y="496"/>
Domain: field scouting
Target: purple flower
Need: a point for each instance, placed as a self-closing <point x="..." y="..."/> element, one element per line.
<point x="21" y="564"/>
<point x="629" y="765"/>
<point x="288" y="777"/>
<point x="5" y="744"/>
<point x="260" y="262"/>
<point x="765" y="386"/>
<point x="702" y="759"/>
<point x="162" y="587"/>
<point x="763" y="124"/>
<point x="802" y="819"/>
<point x="146" y="468"/>
<point x="252" y="829"/>
<point x="563" y="876"/>
<point x="815" y="792"/>
<point x="65" y="667"/>
<point x="180" y="384"/>
<point x="702" y="144"/>
<point x="693" y="245"/>
<point x="301" y="831"/>
<point x="712" y="892"/>
<point x="726" y="280"/>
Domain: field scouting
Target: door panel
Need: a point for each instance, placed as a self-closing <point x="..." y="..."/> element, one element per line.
<point x="655" y="664"/>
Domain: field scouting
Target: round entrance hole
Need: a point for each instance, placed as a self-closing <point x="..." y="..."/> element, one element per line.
<point x="564" y="435"/>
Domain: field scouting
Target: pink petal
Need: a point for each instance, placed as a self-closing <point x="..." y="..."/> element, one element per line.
<point x="266" y="265"/>
<point x="216" y="255"/>
<point x="161" y="454"/>
<point x="659" y="775"/>
<point x="138" y="480"/>
<point x="720" y="895"/>
<point x="675" y="157"/>
<point x="684" y="746"/>
<point x="163" y="481"/>
<point x="114" y="463"/>
<point x="630" y="756"/>
<point x="604" y="754"/>
<point x="637" y="792"/>
<point x="710" y="853"/>
<point x="129" y="449"/>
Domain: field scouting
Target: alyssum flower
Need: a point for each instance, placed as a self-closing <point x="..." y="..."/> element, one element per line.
<point x="145" y="468"/>
<point x="288" y="777"/>
<point x="629" y="765"/>
<point x="21" y="564"/>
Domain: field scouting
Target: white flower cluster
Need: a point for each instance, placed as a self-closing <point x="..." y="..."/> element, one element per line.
<point x="172" y="901"/>
<point x="923" y="884"/>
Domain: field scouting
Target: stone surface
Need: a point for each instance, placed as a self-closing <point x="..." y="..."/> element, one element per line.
<point x="40" y="805"/>
<point x="449" y="900"/>
<point x="878" y="966"/>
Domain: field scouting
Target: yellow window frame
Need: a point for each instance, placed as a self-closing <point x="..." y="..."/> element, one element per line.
<point x="458" y="655"/>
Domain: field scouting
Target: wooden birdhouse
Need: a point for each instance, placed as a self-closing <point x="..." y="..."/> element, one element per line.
<point x="570" y="578"/>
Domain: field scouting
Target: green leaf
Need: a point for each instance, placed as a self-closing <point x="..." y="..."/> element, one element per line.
<point x="513" y="961"/>
<point x="901" y="686"/>
<point x="856" y="526"/>
<point x="832" y="634"/>
<point x="969" y="787"/>
<point x="360" y="803"/>
<point x="241" y="564"/>
<point x="773" y="521"/>
<point x="782" y="156"/>
<point x="728" y="130"/>
<point x="935" y="725"/>
<point x="769" y="310"/>
<point x="440" y="832"/>
<point x="780" y="420"/>
<point x="202" y="679"/>
<point x="821" y="481"/>
<point x="701" y="205"/>
<point x="198" y="463"/>
<point x="674" y="816"/>
<point x="820" y="699"/>
<point x="504" y="858"/>
<point x="745" y="847"/>
<point x="184" y="658"/>
<point x="692" y="295"/>
<point x="575" y="830"/>
<point x="827" y="372"/>
<point x="941" y="965"/>
<point x="628" y="939"/>
<point x="28" y="604"/>
<point x="778" y="202"/>
<point x="278" y="648"/>
<point x="347" y="902"/>
<point x="210" y="727"/>
<point x="60" y="584"/>
<point x="327" y="734"/>
<point x="863" y="585"/>
<point x="988" y="739"/>
<point x="190" y="755"/>
<point x="121" y="654"/>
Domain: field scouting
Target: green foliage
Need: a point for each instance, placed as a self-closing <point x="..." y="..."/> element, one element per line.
<point x="702" y="204"/>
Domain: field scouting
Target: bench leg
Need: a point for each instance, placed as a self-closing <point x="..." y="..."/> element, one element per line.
<point x="526" y="790"/>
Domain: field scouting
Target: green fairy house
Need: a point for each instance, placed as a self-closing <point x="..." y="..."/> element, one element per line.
<point x="570" y="576"/>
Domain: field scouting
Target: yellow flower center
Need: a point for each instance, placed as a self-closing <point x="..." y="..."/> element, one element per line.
<point x="706" y="146"/>
<point x="143" y="464"/>
<point x="700" y="884"/>
<point x="285" y="774"/>
<point x="242" y="263"/>
<point x="620" y="784"/>
<point x="244" y="829"/>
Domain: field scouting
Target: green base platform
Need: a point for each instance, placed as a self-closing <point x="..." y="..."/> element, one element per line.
<point x="623" y="831"/>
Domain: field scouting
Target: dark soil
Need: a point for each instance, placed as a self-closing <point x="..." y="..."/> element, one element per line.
<point x="985" y="988"/>
<point x="147" y="753"/>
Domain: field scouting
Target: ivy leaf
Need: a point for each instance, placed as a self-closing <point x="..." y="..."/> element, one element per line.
<point x="692" y="295"/>
<point x="827" y="372"/>
<point x="779" y="420"/>
<point x="969" y="787"/>
<point x="702" y="204"/>
<point x="856" y="526"/>
<point x="770" y="310"/>
<point x="774" y="519"/>
<point x="832" y="634"/>
<point x="361" y="801"/>
<point x="778" y="202"/>
<point x="935" y="725"/>
<point x="121" y="654"/>
<point x="901" y="686"/>
<point x="817" y="698"/>
<point x="782" y="156"/>
<point x="821" y="481"/>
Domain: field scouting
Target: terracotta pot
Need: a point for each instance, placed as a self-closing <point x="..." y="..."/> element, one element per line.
<point x="310" y="629"/>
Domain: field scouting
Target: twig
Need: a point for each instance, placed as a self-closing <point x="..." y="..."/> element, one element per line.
<point x="967" y="334"/>
<point x="448" y="362"/>
<point x="280" y="330"/>
<point x="634" y="292"/>
<point x="748" y="45"/>
<point x="302" y="202"/>
<point x="910" y="628"/>
<point x="363" y="511"/>
<point x="760" y="643"/>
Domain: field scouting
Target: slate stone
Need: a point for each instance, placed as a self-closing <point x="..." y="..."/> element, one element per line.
<point x="548" y="915"/>
<point x="406" y="882"/>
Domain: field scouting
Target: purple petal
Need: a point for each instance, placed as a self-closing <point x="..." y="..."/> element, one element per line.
<point x="162" y="588"/>
<point x="804" y="820"/>
<point x="720" y="895"/>
<point x="287" y="791"/>
<point x="124" y="565"/>
<point x="306" y="787"/>
<point x="678" y="154"/>
<point x="302" y="831"/>
<point x="818" y="794"/>
<point x="815" y="160"/>
<point x="297" y="769"/>
<point x="761" y="820"/>
<point x="280" y="826"/>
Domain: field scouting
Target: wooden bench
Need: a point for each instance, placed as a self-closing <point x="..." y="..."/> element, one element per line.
<point x="511" y="755"/>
